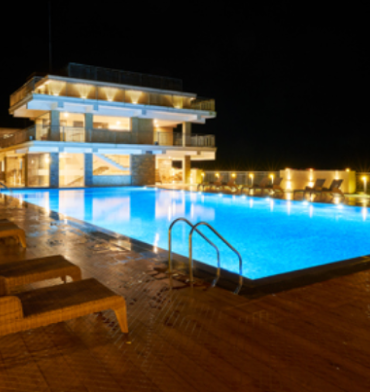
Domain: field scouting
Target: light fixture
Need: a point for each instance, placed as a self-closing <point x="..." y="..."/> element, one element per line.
<point x="66" y="114"/>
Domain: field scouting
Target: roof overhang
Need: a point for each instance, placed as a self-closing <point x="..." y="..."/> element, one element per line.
<point x="34" y="105"/>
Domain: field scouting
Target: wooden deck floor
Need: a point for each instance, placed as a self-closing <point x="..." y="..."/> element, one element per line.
<point x="315" y="338"/>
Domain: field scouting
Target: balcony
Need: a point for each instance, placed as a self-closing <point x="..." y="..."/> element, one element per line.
<point x="83" y="135"/>
<point x="59" y="87"/>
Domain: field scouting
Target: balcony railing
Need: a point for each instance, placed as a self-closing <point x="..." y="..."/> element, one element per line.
<point x="56" y="87"/>
<point x="82" y="135"/>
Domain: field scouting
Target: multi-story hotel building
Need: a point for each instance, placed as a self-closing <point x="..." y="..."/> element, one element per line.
<point x="95" y="126"/>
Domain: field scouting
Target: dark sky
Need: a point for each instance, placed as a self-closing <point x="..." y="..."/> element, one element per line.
<point x="291" y="82"/>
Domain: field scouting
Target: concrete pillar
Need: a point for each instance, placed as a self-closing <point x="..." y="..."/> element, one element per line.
<point x="89" y="125"/>
<point x="8" y="168"/>
<point x="142" y="130"/>
<point x="142" y="169"/>
<point x="54" y="170"/>
<point x="89" y="170"/>
<point x="186" y="134"/>
<point x="187" y="168"/>
<point x="3" y="170"/>
<point x="55" y="125"/>
<point x="25" y="170"/>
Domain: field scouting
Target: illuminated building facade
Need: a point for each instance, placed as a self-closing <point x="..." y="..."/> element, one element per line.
<point x="99" y="127"/>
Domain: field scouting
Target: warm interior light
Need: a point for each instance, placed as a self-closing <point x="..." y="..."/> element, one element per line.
<point x="110" y="93"/>
<point x="83" y="89"/>
<point x="177" y="102"/>
<point x="55" y="87"/>
<point x="233" y="175"/>
<point x="364" y="178"/>
<point x="348" y="170"/>
<point x="65" y="114"/>
<point x="217" y="175"/>
<point x="251" y="175"/>
<point x="135" y="96"/>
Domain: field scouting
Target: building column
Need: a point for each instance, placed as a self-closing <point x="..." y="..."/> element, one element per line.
<point x="89" y="169"/>
<point x="89" y="125"/>
<point x="187" y="168"/>
<point x="142" y="169"/>
<point x="3" y="170"/>
<point x="55" y="125"/>
<point x="25" y="170"/>
<point x="7" y="175"/>
<point x="186" y="134"/>
<point x="142" y="130"/>
<point x="54" y="170"/>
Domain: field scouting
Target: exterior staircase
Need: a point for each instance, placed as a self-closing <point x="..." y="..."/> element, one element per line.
<point x="102" y="169"/>
<point x="96" y="172"/>
<point x="111" y="162"/>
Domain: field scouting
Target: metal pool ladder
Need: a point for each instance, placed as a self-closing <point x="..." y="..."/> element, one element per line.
<point x="194" y="228"/>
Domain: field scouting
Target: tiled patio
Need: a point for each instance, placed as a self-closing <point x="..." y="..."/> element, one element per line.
<point x="314" y="338"/>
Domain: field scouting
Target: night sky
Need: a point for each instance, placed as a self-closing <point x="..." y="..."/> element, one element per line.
<point x="291" y="82"/>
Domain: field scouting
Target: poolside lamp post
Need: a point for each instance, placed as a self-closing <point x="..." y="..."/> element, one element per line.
<point x="364" y="179"/>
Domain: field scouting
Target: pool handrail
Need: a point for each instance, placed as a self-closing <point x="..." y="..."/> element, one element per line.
<point x="3" y="185"/>
<point x="222" y="239"/>
<point x="191" y="279"/>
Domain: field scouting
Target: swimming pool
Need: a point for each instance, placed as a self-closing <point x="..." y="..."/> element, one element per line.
<point x="273" y="236"/>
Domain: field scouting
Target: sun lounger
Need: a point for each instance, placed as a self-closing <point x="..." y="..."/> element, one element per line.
<point x="319" y="183"/>
<point x="275" y="187"/>
<point x="262" y="185"/>
<point x="49" y="305"/>
<point x="333" y="190"/>
<point x="5" y="221"/>
<point x="214" y="184"/>
<point x="9" y="229"/>
<point x="17" y="273"/>
<point x="264" y="180"/>
<point x="232" y="185"/>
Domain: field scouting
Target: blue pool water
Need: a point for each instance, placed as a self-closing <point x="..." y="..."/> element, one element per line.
<point x="273" y="236"/>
